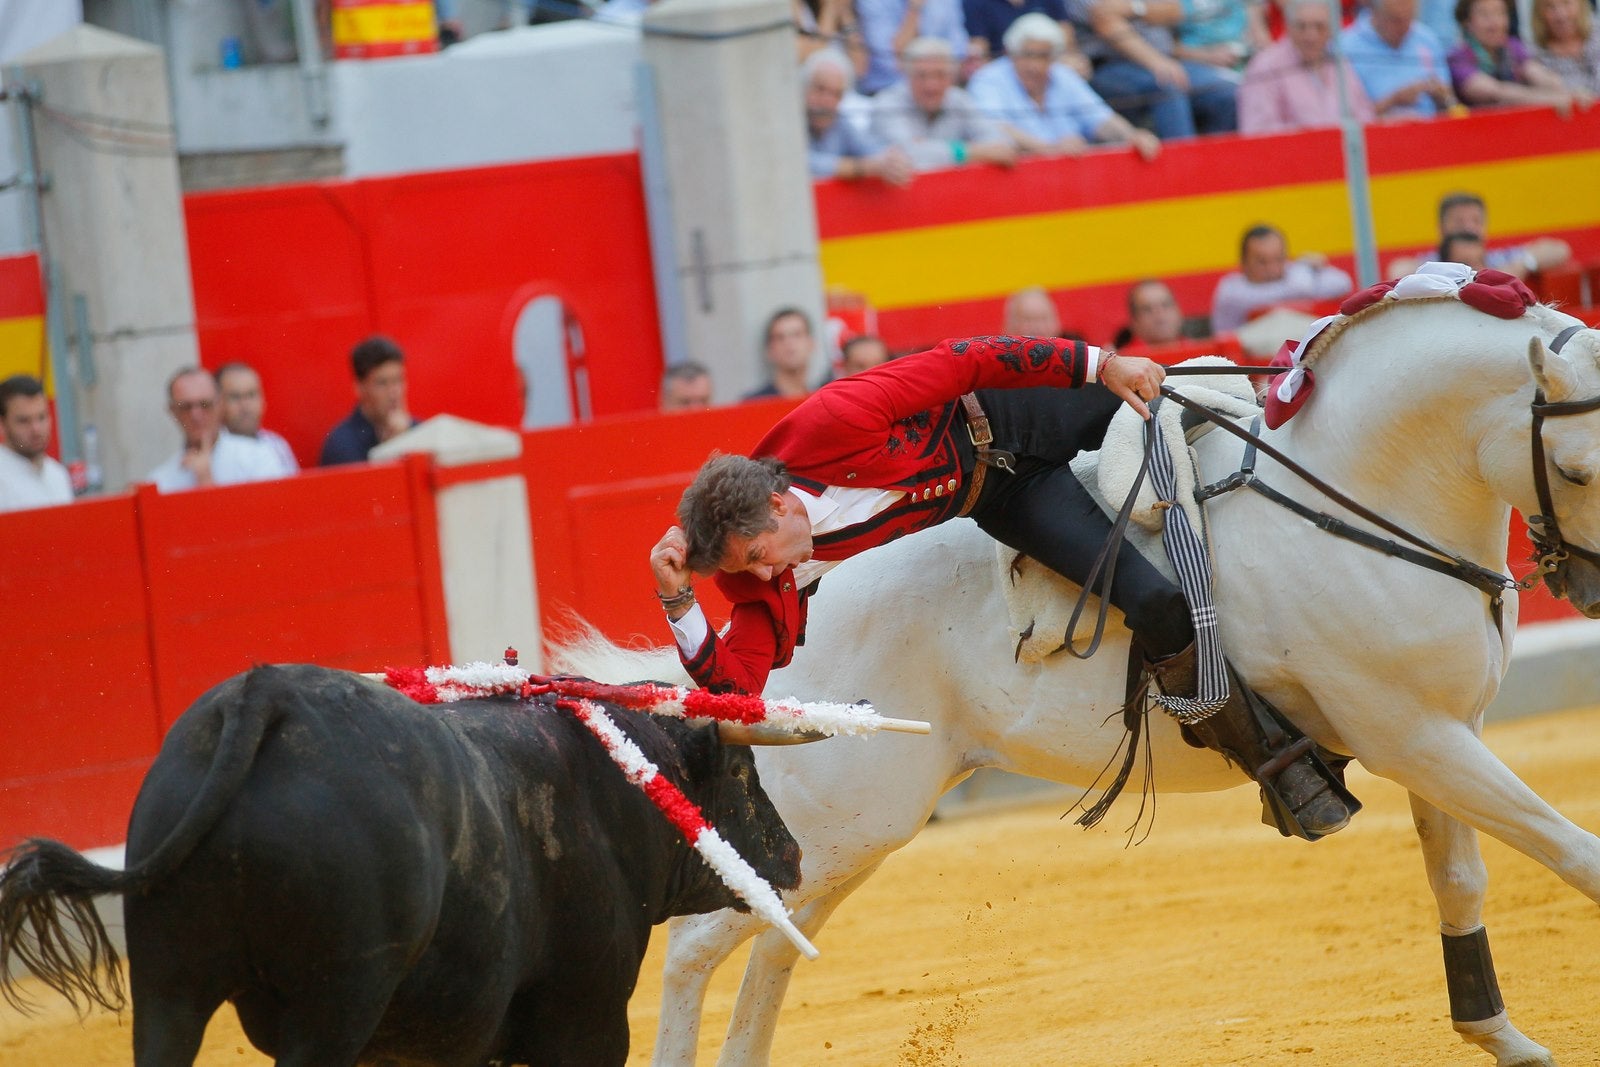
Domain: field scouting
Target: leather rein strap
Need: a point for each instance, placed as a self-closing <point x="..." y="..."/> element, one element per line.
<point x="1542" y="528"/>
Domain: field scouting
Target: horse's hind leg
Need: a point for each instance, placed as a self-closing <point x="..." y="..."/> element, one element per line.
<point x="1459" y="880"/>
<point x="696" y="946"/>
<point x="766" y="979"/>
<point x="168" y="1028"/>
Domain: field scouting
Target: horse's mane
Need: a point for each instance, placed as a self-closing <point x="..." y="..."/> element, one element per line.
<point x="1336" y="329"/>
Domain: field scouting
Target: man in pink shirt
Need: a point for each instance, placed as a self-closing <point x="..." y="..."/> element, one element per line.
<point x="1290" y="84"/>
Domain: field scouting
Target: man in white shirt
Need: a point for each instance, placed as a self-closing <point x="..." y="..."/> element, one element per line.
<point x="209" y="455"/>
<point x="29" y="478"/>
<point x="243" y="404"/>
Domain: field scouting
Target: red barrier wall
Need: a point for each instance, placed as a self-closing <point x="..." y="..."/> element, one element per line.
<point x="289" y="278"/>
<point x="121" y="611"/>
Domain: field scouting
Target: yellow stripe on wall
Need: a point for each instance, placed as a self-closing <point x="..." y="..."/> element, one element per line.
<point x="22" y="346"/>
<point x="1188" y="235"/>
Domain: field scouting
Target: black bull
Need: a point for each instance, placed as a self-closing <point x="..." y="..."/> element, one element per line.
<point x="373" y="881"/>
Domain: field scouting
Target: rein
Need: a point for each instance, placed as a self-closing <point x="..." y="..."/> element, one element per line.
<point x="1542" y="528"/>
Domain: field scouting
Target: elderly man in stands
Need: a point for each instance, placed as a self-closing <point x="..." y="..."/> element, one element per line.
<point x="1292" y="84"/>
<point x="686" y="387"/>
<point x="837" y="148"/>
<point x="1266" y="277"/>
<point x="1132" y="45"/>
<point x="244" y="403"/>
<point x="207" y="453"/>
<point x="891" y="27"/>
<point x="1401" y="63"/>
<point x="1154" y="317"/>
<point x="933" y="120"/>
<point x="1031" y="312"/>
<point x="1466" y="213"/>
<point x="1043" y="104"/>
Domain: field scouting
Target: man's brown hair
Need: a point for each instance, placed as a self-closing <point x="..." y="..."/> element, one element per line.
<point x="730" y="496"/>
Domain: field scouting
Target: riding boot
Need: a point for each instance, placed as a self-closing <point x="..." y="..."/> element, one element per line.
<point x="1301" y="796"/>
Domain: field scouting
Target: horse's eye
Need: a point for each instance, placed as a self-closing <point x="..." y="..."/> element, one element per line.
<point x="1576" y="477"/>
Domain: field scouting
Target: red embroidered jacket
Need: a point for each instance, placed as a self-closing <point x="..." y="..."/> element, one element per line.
<point x="892" y="427"/>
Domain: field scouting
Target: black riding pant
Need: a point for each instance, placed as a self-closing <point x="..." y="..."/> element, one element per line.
<point x="1043" y="512"/>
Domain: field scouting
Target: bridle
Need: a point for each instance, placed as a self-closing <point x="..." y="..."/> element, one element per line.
<point x="1550" y="548"/>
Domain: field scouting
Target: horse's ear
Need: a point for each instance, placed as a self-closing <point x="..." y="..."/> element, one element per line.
<point x="1551" y="371"/>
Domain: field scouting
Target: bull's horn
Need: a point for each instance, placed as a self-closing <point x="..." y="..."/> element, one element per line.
<point x="760" y="733"/>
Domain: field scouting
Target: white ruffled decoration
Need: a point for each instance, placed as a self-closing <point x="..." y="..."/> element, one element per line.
<point x="722" y="857"/>
<point x="1289" y="387"/>
<point x="1431" y="279"/>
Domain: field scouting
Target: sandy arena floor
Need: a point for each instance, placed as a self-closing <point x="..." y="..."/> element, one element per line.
<point x="1015" y="938"/>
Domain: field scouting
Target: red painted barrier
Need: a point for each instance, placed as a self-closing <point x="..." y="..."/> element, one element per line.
<point x="288" y="278"/>
<point x="121" y="611"/>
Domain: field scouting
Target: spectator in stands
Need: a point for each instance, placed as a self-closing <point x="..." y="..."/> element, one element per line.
<point x="790" y="346"/>
<point x="1046" y="107"/>
<point x="1031" y="312"/>
<point x="243" y="404"/>
<point x="1491" y="68"/>
<point x="1266" y="277"/>
<point x="686" y="387"/>
<point x="1290" y="85"/>
<point x="934" y="121"/>
<point x="988" y="21"/>
<point x="208" y="454"/>
<point x="862" y="352"/>
<point x="1566" y="38"/>
<point x="1464" y="248"/>
<point x="890" y="27"/>
<point x="838" y="149"/>
<point x="1400" y="62"/>
<point x="380" y="412"/>
<point x="1131" y="43"/>
<point x="1467" y="213"/>
<point x="823" y="24"/>
<point x="1154" y="317"/>
<point x="29" y="476"/>
<point x="1221" y="33"/>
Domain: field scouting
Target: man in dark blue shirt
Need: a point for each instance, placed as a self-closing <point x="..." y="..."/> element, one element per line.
<point x="380" y="412"/>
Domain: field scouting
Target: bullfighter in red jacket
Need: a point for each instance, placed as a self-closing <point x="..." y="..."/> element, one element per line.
<point x="873" y="456"/>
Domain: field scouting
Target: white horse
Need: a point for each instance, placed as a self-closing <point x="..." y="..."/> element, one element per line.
<point x="1422" y="414"/>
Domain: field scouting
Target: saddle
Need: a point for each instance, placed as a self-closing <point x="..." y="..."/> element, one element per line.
<point x="1038" y="599"/>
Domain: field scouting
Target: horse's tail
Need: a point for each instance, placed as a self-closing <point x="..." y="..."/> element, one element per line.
<point x="47" y="889"/>
<point x="584" y="650"/>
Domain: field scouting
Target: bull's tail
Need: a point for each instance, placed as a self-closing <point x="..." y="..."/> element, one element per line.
<point x="48" y="922"/>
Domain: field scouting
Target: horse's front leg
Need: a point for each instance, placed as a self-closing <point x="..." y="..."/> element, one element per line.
<point x="1459" y="880"/>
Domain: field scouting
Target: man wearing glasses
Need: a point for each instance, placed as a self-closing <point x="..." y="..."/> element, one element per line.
<point x="209" y="455"/>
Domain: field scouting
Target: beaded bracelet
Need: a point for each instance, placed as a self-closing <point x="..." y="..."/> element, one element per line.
<point x="678" y="599"/>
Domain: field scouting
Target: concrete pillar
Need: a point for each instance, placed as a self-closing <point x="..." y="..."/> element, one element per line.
<point x="743" y="222"/>
<point x="113" y="229"/>
<point x="485" y="542"/>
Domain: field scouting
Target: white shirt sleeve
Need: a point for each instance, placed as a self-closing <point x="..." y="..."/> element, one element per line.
<point x="690" y="630"/>
<point x="1094" y="363"/>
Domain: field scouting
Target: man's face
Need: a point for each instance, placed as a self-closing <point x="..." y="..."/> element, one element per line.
<point x="27" y="425"/>
<point x="1265" y="258"/>
<point x="1392" y="19"/>
<point x="194" y="406"/>
<point x="242" y="402"/>
<point x="823" y="93"/>
<point x="686" y="394"/>
<point x="1464" y="218"/>
<point x="786" y="543"/>
<point x="863" y="355"/>
<point x="1033" y="315"/>
<point x="1310" y="30"/>
<point x="383" y="391"/>
<point x="1154" y="315"/>
<point x="789" y="344"/>
<point x="930" y="78"/>
<point x="1032" y="62"/>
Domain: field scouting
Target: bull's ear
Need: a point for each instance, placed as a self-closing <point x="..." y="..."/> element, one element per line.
<point x="742" y="733"/>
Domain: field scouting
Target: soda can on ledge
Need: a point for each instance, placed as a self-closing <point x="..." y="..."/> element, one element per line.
<point x="232" y="54"/>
